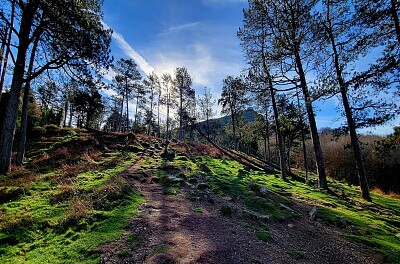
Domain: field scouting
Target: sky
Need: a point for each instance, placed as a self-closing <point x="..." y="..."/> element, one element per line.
<point x="200" y="35"/>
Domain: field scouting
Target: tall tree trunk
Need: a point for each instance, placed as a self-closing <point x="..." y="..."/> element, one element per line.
<point x="136" y="111"/>
<point x="235" y="144"/>
<point x="267" y="134"/>
<point x="393" y="11"/>
<point x="151" y="113"/>
<point x="7" y="135"/>
<point x="303" y="139"/>
<point x="24" y="123"/>
<point x="120" y="125"/>
<point x="167" y="132"/>
<point x="158" y="118"/>
<point x="180" y="114"/>
<point x="127" y="105"/>
<point x="281" y="148"/>
<point x="71" y="113"/>
<point x="288" y="155"/>
<point x="362" y="173"/>
<point x="25" y="106"/>
<point x="65" y="113"/>
<point x="8" y="48"/>
<point x="319" y="156"/>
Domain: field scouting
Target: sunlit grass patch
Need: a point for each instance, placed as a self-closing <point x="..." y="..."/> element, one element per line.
<point x="63" y="219"/>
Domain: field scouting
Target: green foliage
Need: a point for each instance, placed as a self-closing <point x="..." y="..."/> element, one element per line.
<point x="159" y="250"/>
<point x="263" y="235"/>
<point x="375" y="224"/>
<point x="35" y="227"/>
<point x="198" y="210"/>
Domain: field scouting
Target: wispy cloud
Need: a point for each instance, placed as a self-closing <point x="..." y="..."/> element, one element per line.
<point x="129" y="51"/>
<point x="179" y="28"/>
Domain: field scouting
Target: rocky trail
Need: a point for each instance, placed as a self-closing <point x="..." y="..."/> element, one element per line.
<point x="188" y="226"/>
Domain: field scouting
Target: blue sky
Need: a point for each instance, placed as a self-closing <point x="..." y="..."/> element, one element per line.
<point x="161" y="35"/>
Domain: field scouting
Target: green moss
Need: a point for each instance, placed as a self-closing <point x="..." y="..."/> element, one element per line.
<point x="197" y="210"/>
<point x="160" y="249"/>
<point x="263" y="235"/>
<point x="35" y="230"/>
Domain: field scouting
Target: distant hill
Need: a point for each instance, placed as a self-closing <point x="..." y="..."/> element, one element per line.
<point x="249" y="115"/>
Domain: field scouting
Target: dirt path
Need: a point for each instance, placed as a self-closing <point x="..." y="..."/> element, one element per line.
<point x="174" y="229"/>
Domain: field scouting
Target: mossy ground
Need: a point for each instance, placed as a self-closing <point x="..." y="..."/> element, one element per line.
<point x="64" y="214"/>
<point x="60" y="208"/>
<point x="375" y="224"/>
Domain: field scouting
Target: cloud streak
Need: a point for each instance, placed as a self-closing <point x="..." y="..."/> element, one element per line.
<point x="178" y="29"/>
<point x="129" y="51"/>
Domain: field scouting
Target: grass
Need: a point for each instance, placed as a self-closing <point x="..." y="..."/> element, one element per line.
<point x="159" y="250"/>
<point x="62" y="214"/>
<point x="375" y="224"/>
<point x="66" y="221"/>
<point x="198" y="210"/>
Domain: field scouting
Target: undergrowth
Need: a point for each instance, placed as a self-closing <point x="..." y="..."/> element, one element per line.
<point x="63" y="205"/>
<point x="375" y="224"/>
<point x="65" y="214"/>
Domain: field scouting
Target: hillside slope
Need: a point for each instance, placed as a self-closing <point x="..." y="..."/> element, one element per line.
<point x="119" y="198"/>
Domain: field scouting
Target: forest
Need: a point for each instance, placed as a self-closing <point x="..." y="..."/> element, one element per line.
<point x="54" y="56"/>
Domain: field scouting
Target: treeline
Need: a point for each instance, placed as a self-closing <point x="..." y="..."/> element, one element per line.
<point x="55" y="53"/>
<point x="302" y="51"/>
<point x="298" y="52"/>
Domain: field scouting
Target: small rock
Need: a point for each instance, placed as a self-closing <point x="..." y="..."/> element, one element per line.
<point x="174" y="179"/>
<point x="227" y="198"/>
<point x="341" y="220"/>
<point x="313" y="213"/>
<point x="263" y="190"/>
<point x="290" y="225"/>
<point x="254" y="215"/>
<point x="288" y="208"/>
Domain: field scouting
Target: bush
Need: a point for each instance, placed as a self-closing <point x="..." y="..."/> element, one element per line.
<point x="38" y="131"/>
<point x="52" y="128"/>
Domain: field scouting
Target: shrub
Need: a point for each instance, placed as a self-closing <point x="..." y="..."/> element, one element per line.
<point x="79" y="208"/>
<point x="52" y="128"/>
<point x="38" y="131"/>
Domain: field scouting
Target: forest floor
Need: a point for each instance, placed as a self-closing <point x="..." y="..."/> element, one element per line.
<point x="176" y="229"/>
<point x="91" y="197"/>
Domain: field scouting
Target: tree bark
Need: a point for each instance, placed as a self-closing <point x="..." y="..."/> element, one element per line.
<point x="180" y="113"/>
<point x="136" y="111"/>
<point x="71" y="113"/>
<point x="303" y="139"/>
<point x="393" y="11"/>
<point x="362" y="173"/>
<point x="235" y="145"/>
<point x="167" y="132"/>
<point x="267" y="134"/>
<point x="281" y="148"/>
<point x="319" y="156"/>
<point x="8" y="49"/>
<point x="127" y="104"/>
<point x="120" y="125"/>
<point x="25" y="106"/>
<point x="158" y="118"/>
<point x="151" y="113"/>
<point x="24" y="124"/>
<point x="65" y="113"/>
<point x="7" y="135"/>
